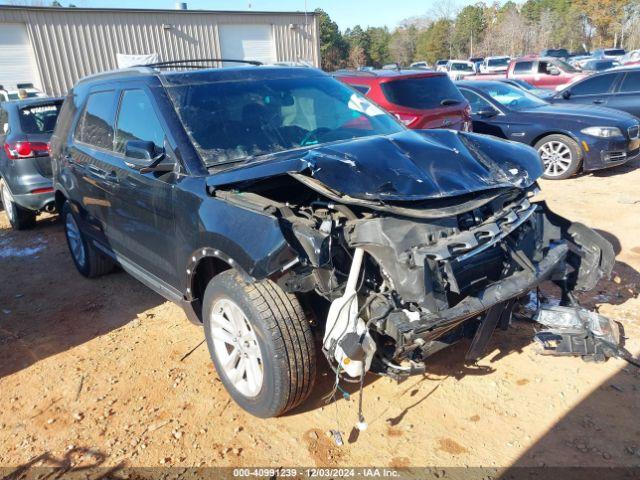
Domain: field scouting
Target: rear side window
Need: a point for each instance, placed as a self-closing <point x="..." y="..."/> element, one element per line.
<point x="631" y="82"/>
<point x="137" y="120"/>
<point x="523" y="67"/>
<point x="422" y="93"/>
<point x="96" y="123"/>
<point x="363" y="89"/>
<point x="594" y="86"/>
<point x="39" y="118"/>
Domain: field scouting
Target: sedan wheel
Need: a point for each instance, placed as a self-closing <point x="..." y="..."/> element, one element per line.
<point x="561" y="156"/>
<point x="236" y="347"/>
<point x="557" y="158"/>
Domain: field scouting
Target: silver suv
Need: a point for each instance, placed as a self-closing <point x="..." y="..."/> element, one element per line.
<point x="25" y="166"/>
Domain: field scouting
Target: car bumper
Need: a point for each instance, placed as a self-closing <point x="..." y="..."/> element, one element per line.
<point x="35" y="201"/>
<point x="606" y="153"/>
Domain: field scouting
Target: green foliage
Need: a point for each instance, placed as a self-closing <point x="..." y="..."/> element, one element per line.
<point x="333" y="47"/>
<point x="433" y="42"/>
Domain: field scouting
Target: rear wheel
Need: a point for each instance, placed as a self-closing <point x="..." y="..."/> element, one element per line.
<point x="89" y="261"/>
<point x="560" y="155"/>
<point x="19" y="218"/>
<point x="260" y="343"/>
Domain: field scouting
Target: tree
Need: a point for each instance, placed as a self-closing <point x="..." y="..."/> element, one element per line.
<point x="402" y="47"/>
<point x="359" y="45"/>
<point x="469" y="27"/>
<point x="433" y="43"/>
<point x="333" y="47"/>
<point x="379" y="47"/>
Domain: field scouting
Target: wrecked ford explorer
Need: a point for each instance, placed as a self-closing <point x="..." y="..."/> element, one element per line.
<point x="278" y="206"/>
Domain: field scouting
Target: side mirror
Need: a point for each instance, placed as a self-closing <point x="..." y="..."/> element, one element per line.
<point x="140" y="150"/>
<point x="566" y="94"/>
<point x="487" y="112"/>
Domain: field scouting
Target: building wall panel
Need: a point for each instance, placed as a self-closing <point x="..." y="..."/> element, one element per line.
<point x="72" y="43"/>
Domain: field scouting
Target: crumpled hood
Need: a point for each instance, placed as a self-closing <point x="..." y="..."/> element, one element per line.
<point x="410" y="165"/>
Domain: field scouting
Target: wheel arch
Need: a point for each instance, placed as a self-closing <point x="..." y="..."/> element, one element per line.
<point x="556" y="132"/>
<point x="204" y="264"/>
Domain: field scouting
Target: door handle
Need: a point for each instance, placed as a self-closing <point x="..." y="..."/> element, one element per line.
<point x="598" y="102"/>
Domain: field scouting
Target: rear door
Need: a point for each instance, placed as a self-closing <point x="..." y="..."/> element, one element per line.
<point x="627" y="93"/>
<point x="89" y="160"/>
<point x="524" y="70"/>
<point x="142" y="215"/>
<point x="594" y="90"/>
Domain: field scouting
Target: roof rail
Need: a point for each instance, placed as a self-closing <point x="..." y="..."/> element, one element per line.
<point x="355" y="73"/>
<point x="196" y="62"/>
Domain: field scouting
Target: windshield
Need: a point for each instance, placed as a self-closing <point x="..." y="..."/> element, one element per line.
<point x="512" y="97"/>
<point x="463" y="67"/>
<point x="614" y="51"/>
<point x="39" y="118"/>
<point x="423" y="93"/>
<point x="498" y="62"/>
<point x="560" y="52"/>
<point x="567" y="67"/>
<point x="231" y="121"/>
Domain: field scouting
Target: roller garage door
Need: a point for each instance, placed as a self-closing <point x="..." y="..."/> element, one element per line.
<point x="247" y="42"/>
<point x="17" y="62"/>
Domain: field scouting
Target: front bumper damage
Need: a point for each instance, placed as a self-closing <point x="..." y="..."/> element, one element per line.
<point x="457" y="283"/>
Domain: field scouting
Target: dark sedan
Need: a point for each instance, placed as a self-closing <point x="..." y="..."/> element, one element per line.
<point x="568" y="139"/>
<point x="618" y="88"/>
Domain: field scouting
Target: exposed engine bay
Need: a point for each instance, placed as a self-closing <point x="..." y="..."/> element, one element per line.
<point x="400" y="288"/>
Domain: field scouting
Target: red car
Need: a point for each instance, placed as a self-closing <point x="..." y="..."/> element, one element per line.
<point x="419" y="99"/>
<point x="543" y="72"/>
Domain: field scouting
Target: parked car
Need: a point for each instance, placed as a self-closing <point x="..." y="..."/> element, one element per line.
<point x="631" y="58"/>
<point x="542" y="93"/>
<point x="493" y="65"/>
<point x="579" y="60"/>
<point x="477" y="61"/>
<point x="618" y="88"/>
<point x="441" y="65"/>
<point x="244" y="193"/>
<point x="14" y="93"/>
<point x="25" y="166"/>
<point x="561" y="53"/>
<point x="420" y="64"/>
<point x="568" y="139"/>
<point x="419" y="99"/>
<point x="544" y="72"/>
<point x="599" y="65"/>
<point x="457" y="69"/>
<point x="609" y="53"/>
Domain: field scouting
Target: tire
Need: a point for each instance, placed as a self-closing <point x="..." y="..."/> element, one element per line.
<point x="89" y="261"/>
<point x="276" y="342"/>
<point x="561" y="156"/>
<point x="20" y="218"/>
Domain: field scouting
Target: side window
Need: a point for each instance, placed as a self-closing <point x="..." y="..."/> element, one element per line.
<point x="96" y="123"/>
<point x="137" y="120"/>
<point x="543" y="67"/>
<point x="594" y="86"/>
<point x="363" y="89"/>
<point x="631" y="82"/>
<point x="523" y="67"/>
<point x="477" y="103"/>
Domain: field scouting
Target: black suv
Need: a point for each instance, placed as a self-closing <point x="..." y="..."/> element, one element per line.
<point x="275" y="202"/>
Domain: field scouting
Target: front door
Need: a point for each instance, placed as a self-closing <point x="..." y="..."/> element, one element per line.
<point x="142" y="217"/>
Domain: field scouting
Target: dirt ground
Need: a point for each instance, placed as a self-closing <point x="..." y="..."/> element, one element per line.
<point x="98" y="368"/>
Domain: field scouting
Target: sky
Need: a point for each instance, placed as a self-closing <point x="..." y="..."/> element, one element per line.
<point x="346" y="13"/>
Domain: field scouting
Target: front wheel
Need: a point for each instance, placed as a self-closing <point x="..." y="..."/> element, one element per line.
<point x="560" y="155"/>
<point x="260" y="342"/>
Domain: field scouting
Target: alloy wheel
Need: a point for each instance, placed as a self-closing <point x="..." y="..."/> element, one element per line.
<point x="75" y="240"/>
<point x="236" y="347"/>
<point x="557" y="158"/>
<point x="7" y="202"/>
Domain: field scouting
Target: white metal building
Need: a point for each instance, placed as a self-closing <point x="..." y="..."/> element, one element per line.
<point x="54" y="47"/>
